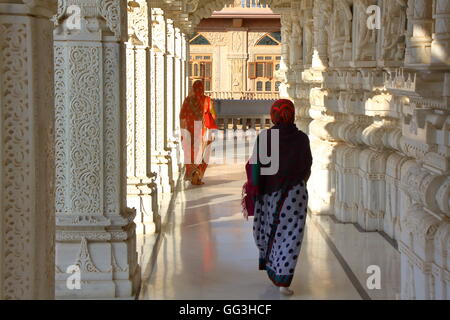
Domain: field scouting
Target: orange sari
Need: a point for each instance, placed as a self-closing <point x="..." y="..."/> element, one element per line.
<point x="195" y="138"/>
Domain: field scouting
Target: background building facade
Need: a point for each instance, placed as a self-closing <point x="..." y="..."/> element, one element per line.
<point x="237" y="52"/>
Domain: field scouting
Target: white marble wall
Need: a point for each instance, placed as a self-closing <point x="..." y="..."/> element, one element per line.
<point x="27" y="221"/>
<point x="379" y="134"/>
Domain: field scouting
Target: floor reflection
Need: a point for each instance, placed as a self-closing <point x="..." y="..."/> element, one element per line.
<point x="208" y="252"/>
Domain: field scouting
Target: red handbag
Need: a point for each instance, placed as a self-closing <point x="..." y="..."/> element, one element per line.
<point x="210" y="123"/>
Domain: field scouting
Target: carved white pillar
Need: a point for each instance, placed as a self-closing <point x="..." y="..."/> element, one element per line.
<point x="95" y="232"/>
<point x="185" y="61"/>
<point x="178" y="101"/>
<point x="284" y="63"/>
<point x="425" y="237"/>
<point x="184" y="84"/>
<point x="322" y="182"/>
<point x="161" y="162"/>
<point x="141" y="189"/>
<point x="170" y="133"/>
<point x="296" y="52"/>
<point x="26" y="150"/>
<point x="178" y="98"/>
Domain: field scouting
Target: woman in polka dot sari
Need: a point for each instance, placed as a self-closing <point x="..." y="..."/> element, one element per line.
<point x="280" y="199"/>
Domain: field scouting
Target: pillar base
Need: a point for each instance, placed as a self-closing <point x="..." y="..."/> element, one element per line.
<point x="96" y="257"/>
<point x="142" y="195"/>
<point x="175" y="161"/>
<point x="162" y="162"/>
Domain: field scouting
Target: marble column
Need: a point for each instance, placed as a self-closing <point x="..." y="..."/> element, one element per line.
<point x="95" y="232"/>
<point x="160" y="157"/>
<point x="304" y="82"/>
<point x="185" y="62"/>
<point x="27" y="209"/>
<point x="286" y="29"/>
<point x="178" y="101"/>
<point x="184" y="83"/>
<point x="172" y="143"/>
<point x="141" y="189"/>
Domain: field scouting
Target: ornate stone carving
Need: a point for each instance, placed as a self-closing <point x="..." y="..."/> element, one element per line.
<point x="322" y="13"/>
<point x="394" y="32"/>
<point x="379" y="136"/>
<point x="237" y="39"/>
<point x="215" y="38"/>
<point x="366" y="39"/>
<point x="26" y="150"/>
<point x="90" y="155"/>
<point x="141" y="193"/>
<point x="138" y="23"/>
<point x="95" y="17"/>
<point x="296" y="41"/>
<point x="84" y="261"/>
<point x="341" y="31"/>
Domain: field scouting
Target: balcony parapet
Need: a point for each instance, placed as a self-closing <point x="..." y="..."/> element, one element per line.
<point x="243" y="95"/>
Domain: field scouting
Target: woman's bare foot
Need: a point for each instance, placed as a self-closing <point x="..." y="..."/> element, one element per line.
<point x="286" y="291"/>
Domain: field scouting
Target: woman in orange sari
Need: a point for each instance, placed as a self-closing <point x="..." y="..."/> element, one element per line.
<point x="196" y="117"/>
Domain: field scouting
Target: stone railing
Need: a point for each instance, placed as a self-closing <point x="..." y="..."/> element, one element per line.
<point x="247" y="4"/>
<point x="234" y="142"/>
<point x="244" y="122"/>
<point x="244" y="95"/>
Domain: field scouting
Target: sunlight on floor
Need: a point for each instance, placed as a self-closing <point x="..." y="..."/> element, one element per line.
<point x="208" y="252"/>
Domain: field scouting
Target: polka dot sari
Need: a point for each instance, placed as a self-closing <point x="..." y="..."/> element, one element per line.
<point x="278" y="230"/>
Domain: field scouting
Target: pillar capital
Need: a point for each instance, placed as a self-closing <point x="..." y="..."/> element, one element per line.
<point x="139" y="22"/>
<point x="91" y="20"/>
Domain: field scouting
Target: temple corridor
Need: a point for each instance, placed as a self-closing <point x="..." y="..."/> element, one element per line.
<point x="91" y="200"/>
<point x="207" y="252"/>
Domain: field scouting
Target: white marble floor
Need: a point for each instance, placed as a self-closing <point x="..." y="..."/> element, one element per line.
<point x="207" y="252"/>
